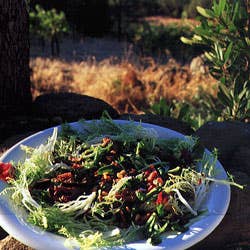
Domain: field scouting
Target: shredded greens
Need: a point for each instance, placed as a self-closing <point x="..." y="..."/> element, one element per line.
<point x="109" y="184"/>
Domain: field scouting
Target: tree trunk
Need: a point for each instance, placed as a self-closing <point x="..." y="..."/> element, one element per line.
<point x="15" y="94"/>
<point x="54" y="44"/>
<point x="57" y="46"/>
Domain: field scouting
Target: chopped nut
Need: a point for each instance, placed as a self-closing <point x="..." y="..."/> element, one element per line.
<point x="121" y="174"/>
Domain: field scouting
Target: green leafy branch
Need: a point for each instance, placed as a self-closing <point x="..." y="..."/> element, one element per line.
<point x="224" y="30"/>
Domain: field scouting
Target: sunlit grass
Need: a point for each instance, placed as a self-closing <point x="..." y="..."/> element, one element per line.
<point x="126" y="86"/>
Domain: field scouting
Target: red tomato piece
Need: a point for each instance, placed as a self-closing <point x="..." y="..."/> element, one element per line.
<point x="6" y="171"/>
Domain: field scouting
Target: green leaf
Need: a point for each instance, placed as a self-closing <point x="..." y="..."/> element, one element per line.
<point x="224" y="96"/>
<point x="228" y="52"/>
<point x="160" y="210"/>
<point x="219" y="51"/>
<point x="223" y="80"/>
<point x="216" y="8"/>
<point x="203" y="32"/>
<point x="161" y="108"/>
<point x="140" y="195"/>
<point x="237" y="88"/>
<point x="183" y="111"/>
<point x="209" y="56"/>
<point x="222" y="4"/>
<point x="243" y="105"/>
<point x="242" y="94"/>
<point x="236" y="10"/>
<point x="187" y="40"/>
<point x="205" y="12"/>
<point x="105" y="169"/>
<point x="247" y="39"/>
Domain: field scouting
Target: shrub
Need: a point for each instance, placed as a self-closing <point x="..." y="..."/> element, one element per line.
<point x="225" y="30"/>
<point x="195" y="113"/>
<point x="49" y="25"/>
<point x="156" y="39"/>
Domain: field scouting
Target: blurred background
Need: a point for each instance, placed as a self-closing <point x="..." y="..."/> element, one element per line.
<point x="125" y="52"/>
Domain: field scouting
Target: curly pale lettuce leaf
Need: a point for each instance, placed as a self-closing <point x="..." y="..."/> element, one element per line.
<point x="38" y="161"/>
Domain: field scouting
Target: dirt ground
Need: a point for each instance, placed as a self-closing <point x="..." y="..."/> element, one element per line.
<point x="82" y="49"/>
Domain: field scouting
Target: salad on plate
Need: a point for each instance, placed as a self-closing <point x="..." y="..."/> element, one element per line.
<point x="109" y="184"/>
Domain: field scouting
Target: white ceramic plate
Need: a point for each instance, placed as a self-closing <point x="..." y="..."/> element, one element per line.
<point x="13" y="220"/>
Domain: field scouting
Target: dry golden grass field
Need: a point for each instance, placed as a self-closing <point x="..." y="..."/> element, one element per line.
<point x="158" y="20"/>
<point x="126" y="86"/>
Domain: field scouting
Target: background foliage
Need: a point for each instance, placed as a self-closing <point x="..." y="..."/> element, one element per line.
<point x="225" y="30"/>
<point x="221" y="33"/>
<point x="164" y="40"/>
<point x="48" y="25"/>
<point x="99" y="17"/>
